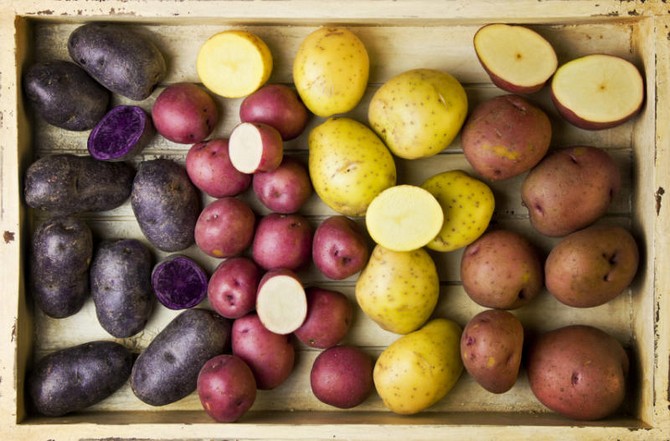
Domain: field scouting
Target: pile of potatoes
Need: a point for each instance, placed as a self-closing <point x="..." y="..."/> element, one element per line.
<point x="383" y="234"/>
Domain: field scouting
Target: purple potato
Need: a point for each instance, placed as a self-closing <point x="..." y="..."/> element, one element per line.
<point x="179" y="282"/>
<point x="122" y="133"/>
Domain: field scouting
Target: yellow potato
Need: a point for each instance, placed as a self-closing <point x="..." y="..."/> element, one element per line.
<point x="348" y="165"/>
<point x="418" y="113"/>
<point x="330" y="71"/>
<point x="420" y="368"/>
<point x="398" y="290"/>
<point x="468" y="205"/>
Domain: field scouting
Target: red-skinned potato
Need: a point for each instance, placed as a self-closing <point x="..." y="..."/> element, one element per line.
<point x="276" y="105"/>
<point x="329" y="317"/>
<point x="578" y="371"/>
<point x="225" y="227"/>
<point x="505" y="137"/>
<point x="284" y="189"/>
<point x="570" y="189"/>
<point x="226" y="388"/>
<point x="592" y="266"/>
<point x="340" y="248"/>
<point x="184" y="113"/>
<point x="341" y="376"/>
<point x="255" y="147"/>
<point x="491" y="348"/>
<point x="232" y="287"/>
<point x="502" y="270"/>
<point x="270" y="356"/>
<point x="282" y="241"/>
<point x="209" y="168"/>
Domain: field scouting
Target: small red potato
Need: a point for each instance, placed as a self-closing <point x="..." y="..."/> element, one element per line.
<point x="255" y="147"/>
<point x="284" y="189"/>
<point x="341" y="376"/>
<point x="281" y="301"/>
<point x="340" y="247"/>
<point x="270" y="356"/>
<point x="592" y="266"/>
<point x="502" y="270"/>
<point x="329" y="317"/>
<point x="225" y="227"/>
<point x="578" y="371"/>
<point x="209" y="168"/>
<point x="232" y="287"/>
<point x="505" y="137"/>
<point x="491" y="348"/>
<point x="282" y="241"/>
<point x="276" y="105"/>
<point x="184" y="113"/>
<point x="226" y="388"/>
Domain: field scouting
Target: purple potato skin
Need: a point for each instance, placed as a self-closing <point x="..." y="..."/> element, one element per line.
<point x="179" y="282"/>
<point x="166" y="204"/>
<point x="226" y="388"/>
<point x="209" y="167"/>
<point x="120" y="278"/>
<point x="282" y="241"/>
<point x="67" y="184"/>
<point x="340" y="248"/>
<point x="62" y="249"/>
<point x="75" y="378"/>
<point x="341" y="376"/>
<point x="64" y="95"/>
<point x="167" y="370"/>
<point x="276" y="105"/>
<point x="233" y="286"/>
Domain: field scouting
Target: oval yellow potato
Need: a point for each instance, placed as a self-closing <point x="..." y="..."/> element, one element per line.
<point x="418" y="113"/>
<point x="468" y="205"/>
<point x="404" y="218"/>
<point x="398" y="290"/>
<point x="331" y="70"/>
<point x="234" y="63"/>
<point x="348" y="165"/>
<point x="420" y="368"/>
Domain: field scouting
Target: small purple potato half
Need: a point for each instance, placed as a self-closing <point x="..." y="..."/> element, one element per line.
<point x="179" y="282"/>
<point x="122" y="133"/>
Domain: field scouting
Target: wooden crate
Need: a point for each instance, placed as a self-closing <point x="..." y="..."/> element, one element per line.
<point x="399" y="35"/>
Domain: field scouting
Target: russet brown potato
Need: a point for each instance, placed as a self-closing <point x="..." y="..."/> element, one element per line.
<point x="570" y="189"/>
<point x="592" y="266"/>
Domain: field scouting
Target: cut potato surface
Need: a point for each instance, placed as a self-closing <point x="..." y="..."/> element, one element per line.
<point x="281" y="302"/>
<point x="404" y="218"/>
<point x="234" y="63"/>
<point x="255" y="147"/>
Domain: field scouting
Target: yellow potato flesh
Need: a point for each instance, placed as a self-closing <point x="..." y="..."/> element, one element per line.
<point x="404" y="218"/>
<point x="348" y="165"/>
<point x="234" y="63"/>
<point x="331" y="70"/>
<point x="420" y="368"/>
<point x="468" y="205"/>
<point x="398" y="290"/>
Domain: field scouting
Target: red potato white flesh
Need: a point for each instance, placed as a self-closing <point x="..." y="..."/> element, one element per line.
<point x="281" y="301"/>
<point x="255" y="147"/>
<point x="597" y="91"/>
<point x="516" y="58"/>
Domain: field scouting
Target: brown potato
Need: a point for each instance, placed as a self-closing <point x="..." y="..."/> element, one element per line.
<point x="592" y="266"/>
<point x="570" y="189"/>
<point x="505" y="136"/>
<point x="578" y="371"/>
<point x="491" y="347"/>
<point x="502" y="270"/>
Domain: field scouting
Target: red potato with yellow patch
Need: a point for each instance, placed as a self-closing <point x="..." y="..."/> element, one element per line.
<point x="225" y="227"/>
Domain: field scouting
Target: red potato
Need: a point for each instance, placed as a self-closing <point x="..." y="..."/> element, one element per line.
<point x="282" y="241"/>
<point x="184" y="113"/>
<point x="270" y="356"/>
<point x="226" y="388"/>
<point x="340" y="248"/>
<point x="255" y="147"/>
<point x="284" y="189"/>
<point x="209" y="168"/>
<point x="225" y="227"/>
<point x="232" y="287"/>
<point x="341" y="376"/>
<point x="281" y="301"/>
<point x="329" y="317"/>
<point x="276" y="105"/>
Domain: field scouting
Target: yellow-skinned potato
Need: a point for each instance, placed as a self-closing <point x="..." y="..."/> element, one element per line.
<point x="398" y="290"/>
<point x="420" y="368"/>
<point x="418" y="113"/>
<point x="331" y="70"/>
<point x="348" y="165"/>
<point x="468" y="205"/>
